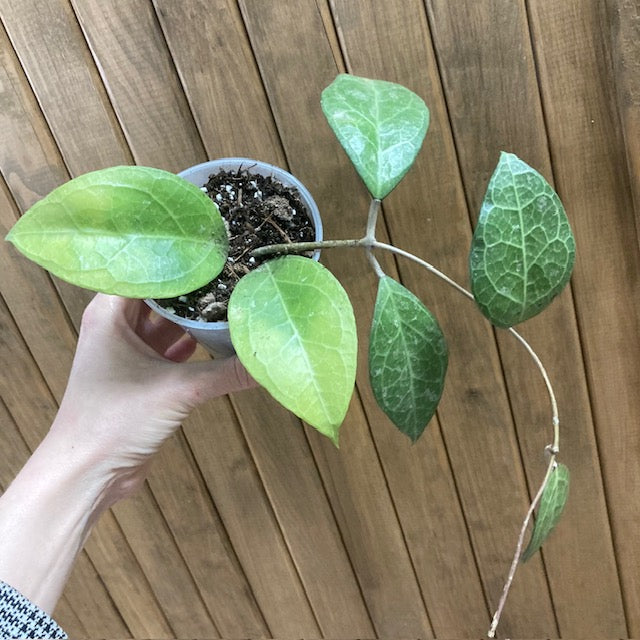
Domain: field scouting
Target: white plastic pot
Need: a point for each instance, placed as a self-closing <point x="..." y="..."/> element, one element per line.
<point x="214" y="336"/>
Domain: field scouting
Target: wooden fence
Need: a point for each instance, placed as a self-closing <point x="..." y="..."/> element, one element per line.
<point x="251" y="524"/>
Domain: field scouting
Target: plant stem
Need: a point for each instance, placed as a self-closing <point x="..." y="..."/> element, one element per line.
<point x="301" y="247"/>
<point x="516" y="558"/>
<point x="423" y="263"/>
<point x="369" y="243"/>
<point x="372" y="219"/>
<point x="370" y="236"/>
<point x="375" y="264"/>
<point x="553" y="449"/>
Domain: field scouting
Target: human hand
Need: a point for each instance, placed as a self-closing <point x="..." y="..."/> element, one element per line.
<point x="130" y="388"/>
<point x="128" y="391"/>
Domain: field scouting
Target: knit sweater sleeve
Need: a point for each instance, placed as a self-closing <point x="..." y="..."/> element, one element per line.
<point x="20" y="618"/>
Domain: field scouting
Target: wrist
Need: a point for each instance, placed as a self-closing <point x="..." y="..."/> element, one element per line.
<point x="93" y="443"/>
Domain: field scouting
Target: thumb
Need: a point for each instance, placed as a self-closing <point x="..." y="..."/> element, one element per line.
<point x="213" y="378"/>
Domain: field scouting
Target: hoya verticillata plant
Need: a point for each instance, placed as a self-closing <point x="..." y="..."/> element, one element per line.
<point x="145" y="233"/>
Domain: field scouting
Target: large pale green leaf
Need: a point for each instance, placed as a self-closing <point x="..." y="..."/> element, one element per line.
<point x="552" y="502"/>
<point x="132" y="231"/>
<point x="381" y="126"/>
<point x="523" y="250"/>
<point x="293" y="328"/>
<point x="407" y="358"/>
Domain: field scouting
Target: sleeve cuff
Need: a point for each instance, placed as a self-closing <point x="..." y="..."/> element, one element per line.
<point x="20" y="618"/>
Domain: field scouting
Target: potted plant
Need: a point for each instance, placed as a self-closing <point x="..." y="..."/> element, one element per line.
<point x="142" y="232"/>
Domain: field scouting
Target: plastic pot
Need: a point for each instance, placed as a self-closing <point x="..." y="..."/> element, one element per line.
<point x="214" y="336"/>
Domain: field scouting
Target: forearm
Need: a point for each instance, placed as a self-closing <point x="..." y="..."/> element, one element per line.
<point x="45" y="516"/>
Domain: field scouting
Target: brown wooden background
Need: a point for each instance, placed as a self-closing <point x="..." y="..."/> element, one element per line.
<point x="252" y="525"/>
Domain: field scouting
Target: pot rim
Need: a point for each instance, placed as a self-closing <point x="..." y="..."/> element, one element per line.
<point x="194" y="175"/>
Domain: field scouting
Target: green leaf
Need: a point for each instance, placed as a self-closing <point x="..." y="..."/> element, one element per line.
<point x="552" y="502"/>
<point x="293" y="328"/>
<point x="523" y="250"/>
<point x="381" y="126"/>
<point x="132" y="231"/>
<point x="407" y="358"/>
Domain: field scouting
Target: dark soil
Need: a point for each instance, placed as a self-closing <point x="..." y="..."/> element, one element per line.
<point x="258" y="211"/>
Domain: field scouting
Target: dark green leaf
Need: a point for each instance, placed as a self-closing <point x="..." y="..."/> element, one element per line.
<point x="293" y="328"/>
<point x="132" y="231"/>
<point x="381" y="126"/>
<point x="407" y="358"/>
<point x="523" y="249"/>
<point x="552" y="502"/>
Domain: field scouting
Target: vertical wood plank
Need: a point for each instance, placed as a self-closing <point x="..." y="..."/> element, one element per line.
<point x="203" y="541"/>
<point x="574" y="57"/>
<point x="294" y="69"/>
<point x="164" y="566"/>
<point x="297" y="494"/>
<point x="29" y="159"/>
<point x="65" y="616"/>
<point x="624" y="18"/>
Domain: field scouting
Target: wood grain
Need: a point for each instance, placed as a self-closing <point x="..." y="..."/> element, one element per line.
<point x="229" y="471"/>
<point x="513" y="120"/>
<point x="305" y="516"/>
<point x="155" y="548"/>
<point x="130" y="52"/>
<point x="208" y="42"/>
<point x="203" y="541"/>
<point x="624" y="18"/>
<point x="56" y="59"/>
<point x="573" y="45"/>
<point x="251" y="524"/>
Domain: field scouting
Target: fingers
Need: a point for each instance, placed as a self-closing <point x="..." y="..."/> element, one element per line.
<point x="216" y="378"/>
<point x="160" y="334"/>
<point x="165" y="337"/>
<point x="106" y="310"/>
<point x="181" y="350"/>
